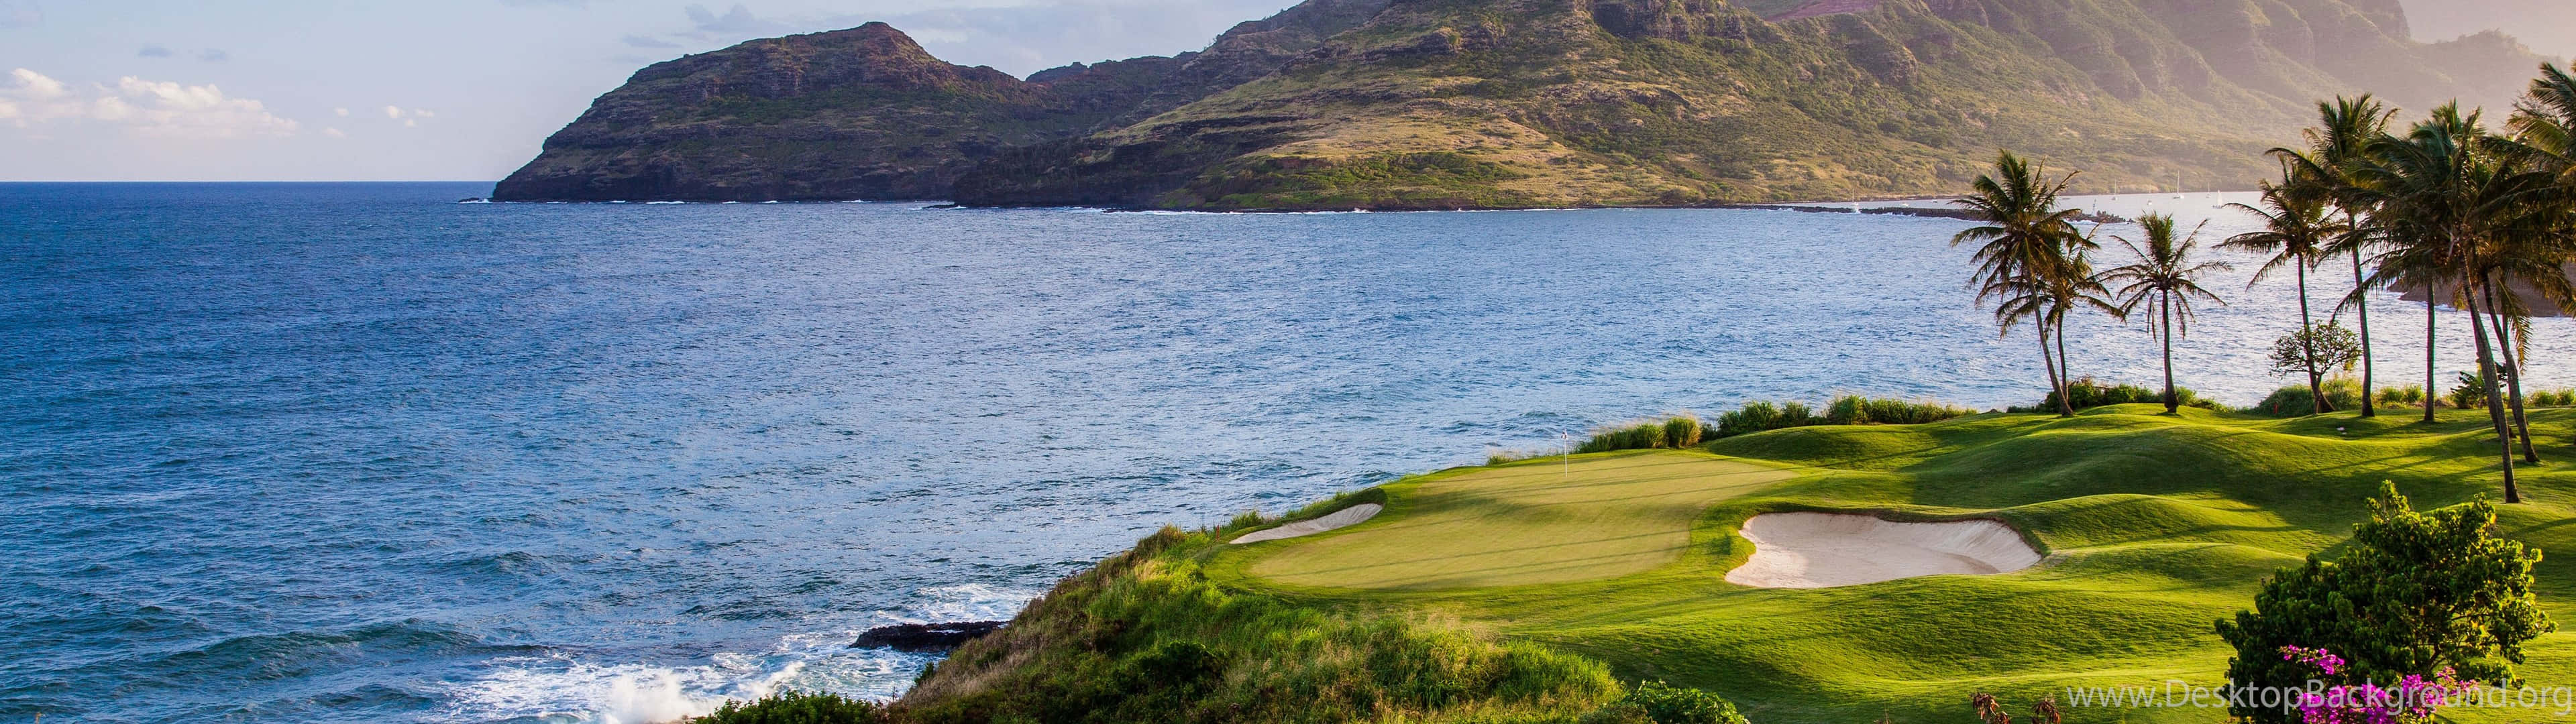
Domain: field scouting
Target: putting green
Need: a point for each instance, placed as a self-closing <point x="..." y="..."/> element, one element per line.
<point x="1529" y="523"/>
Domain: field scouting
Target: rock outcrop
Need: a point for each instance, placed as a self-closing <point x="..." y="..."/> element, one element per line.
<point x="925" y="637"/>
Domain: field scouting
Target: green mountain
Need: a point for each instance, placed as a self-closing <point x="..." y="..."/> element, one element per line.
<point x="866" y="113"/>
<point x="1509" y="103"/>
<point x="1515" y="103"/>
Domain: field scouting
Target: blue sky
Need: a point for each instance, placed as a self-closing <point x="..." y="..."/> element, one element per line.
<point x="466" y="90"/>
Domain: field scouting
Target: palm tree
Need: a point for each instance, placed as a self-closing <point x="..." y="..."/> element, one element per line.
<point x="2071" y="286"/>
<point x="2023" y="244"/>
<point x="2164" y="278"/>
<point x="2546" y="121"/>
<point x="2412" y="258"/>
<point x="2296" y="231"/>
<point x="2450" y="196"/>
<point x="2345" y="129"/>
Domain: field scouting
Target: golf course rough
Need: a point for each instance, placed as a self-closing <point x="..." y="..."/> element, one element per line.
<point x="2154" y="525"/>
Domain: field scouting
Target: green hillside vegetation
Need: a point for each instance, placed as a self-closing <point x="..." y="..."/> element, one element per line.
<point x="1505" y="103"/>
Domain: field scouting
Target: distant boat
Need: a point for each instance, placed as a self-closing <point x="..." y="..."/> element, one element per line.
<point x="2178" y="190"/>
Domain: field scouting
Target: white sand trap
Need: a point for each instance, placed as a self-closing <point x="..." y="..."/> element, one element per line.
<point x="1823" y="550"/>
<point x="1343" y="518"/>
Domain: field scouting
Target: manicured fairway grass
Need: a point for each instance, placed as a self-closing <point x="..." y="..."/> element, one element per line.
<point x="1608" y="515"/>
<point x="2157" y="525"/>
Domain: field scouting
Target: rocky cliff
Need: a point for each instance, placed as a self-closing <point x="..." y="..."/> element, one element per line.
<point x="866" y="113"/>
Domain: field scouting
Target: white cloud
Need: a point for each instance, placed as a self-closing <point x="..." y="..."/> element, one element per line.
<point x="38" y="87"/>
<point x="334" y="133"/>
<point x="393" y="112"/>
<point x="341" y="112"/>
<point x="196" y="111"/>
<point x="30" y="97"/>
<point x="423" y="113"/>
<point x="144" y="107"/>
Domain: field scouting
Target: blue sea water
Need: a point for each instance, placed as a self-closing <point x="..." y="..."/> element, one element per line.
<point x="356" y="452"/>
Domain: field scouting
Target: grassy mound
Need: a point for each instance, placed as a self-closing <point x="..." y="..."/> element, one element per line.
<point x="2156" y="525"/>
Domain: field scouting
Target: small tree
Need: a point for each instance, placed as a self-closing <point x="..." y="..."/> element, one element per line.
<point x="2316" y="351"/>
<point x="2418" y="593"/>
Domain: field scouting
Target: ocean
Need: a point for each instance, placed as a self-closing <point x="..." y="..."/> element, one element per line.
<point x="360" y="453"/>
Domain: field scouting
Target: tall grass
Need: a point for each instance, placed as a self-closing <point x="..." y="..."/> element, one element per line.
<point x="1146" y="637"/>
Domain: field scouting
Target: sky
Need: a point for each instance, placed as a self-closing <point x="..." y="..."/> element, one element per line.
<point x="202" y="90"/>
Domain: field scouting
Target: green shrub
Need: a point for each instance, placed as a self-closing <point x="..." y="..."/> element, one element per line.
<point x="2342" y="393"/>
<point x="1678" y="431"/>
<point x="2415" y="592"/>
<point x="793" y="707"/>
<point x="2407" y="395"/>
<point x="1655" y="702"/>
<point x="1683" y="431"/>
<point x="1858" y="410"/>
<point x="2552" y="398"/>
<point x="1246" y="519"/>
<point x="2087" y="393"/>
<point x="1760" y="415"/>
<point x="2471" y="392"/>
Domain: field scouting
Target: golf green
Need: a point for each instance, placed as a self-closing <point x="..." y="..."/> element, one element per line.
<point x="1536" y="522"/>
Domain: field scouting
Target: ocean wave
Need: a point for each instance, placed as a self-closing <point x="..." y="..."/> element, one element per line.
<point x="261" y="657"/>
<point x="968" y="602"/>
<point x="561" y="687"/>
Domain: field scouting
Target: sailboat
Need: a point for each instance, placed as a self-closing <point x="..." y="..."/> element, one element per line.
<point x="2178" y="192"/>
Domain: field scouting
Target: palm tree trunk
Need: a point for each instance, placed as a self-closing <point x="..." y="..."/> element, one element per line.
<point x="2430" y="291"/>
<point x="2361" y="307"/>
<point x="2164" y="308"/>
<point x="2308" y="344"/>
<point x="2495" y="406"/>
<point x="2048" y="359"/>
<point x="2065" y="369"/>
<point x="2512" y="375"/>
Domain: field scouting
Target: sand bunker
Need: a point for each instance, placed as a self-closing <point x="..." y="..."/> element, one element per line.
<point x="1337" y="519"/>
<point x="1822" y="550"/>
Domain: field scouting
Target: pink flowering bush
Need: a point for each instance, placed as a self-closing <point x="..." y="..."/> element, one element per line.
<point x="2410" y="700"/>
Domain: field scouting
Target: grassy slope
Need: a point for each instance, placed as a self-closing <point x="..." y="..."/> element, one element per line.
<point x="2157" y="525"/>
